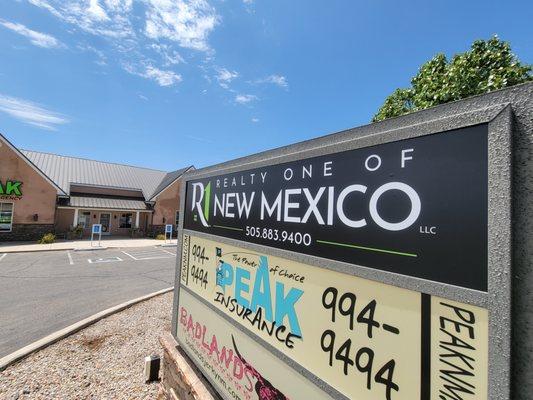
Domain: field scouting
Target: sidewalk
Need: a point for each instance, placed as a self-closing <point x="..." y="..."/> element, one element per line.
<point x="19" y="247"/>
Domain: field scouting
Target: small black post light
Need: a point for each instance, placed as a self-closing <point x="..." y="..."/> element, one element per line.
<point x="151" y="368"/>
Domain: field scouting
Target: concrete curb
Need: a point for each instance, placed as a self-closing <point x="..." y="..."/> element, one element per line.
<point x="69" y="330"/>
<point x="33" y="251"/>
<point x="95" y="248"/>
<point x="73" y="249"/>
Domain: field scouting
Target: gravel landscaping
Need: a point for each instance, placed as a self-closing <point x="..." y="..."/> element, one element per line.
<point x="103" y="361"/>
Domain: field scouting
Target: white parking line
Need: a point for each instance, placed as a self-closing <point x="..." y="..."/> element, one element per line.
<point x="129" y="255"/>
<point x="169" y="252"/>
<point x="70" y="261"/>
<point x="146" y="255"/>
<point x="2" y="256"/>
<point x="152" y="258"/>
<point x="103" y="260"/>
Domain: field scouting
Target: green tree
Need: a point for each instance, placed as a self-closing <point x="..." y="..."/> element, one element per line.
<point x="487" y="66"/>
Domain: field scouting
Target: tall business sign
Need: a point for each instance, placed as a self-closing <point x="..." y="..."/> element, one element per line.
<point x="357" y="267"/>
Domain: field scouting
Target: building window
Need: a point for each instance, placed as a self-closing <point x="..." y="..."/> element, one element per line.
<point x="125" y="220"/>
<point x="84" y="219"/>
<point x="6" y="217"/>
<point x="177" y="219"/>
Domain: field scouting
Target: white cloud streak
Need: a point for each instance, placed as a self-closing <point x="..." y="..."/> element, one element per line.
<point x="109" y="18"/>
<point x="31" y="113"/>
<point x="37" y="38"/>
<point x="224" y="77"/>
<point x="162" y="77"/>
<point x="245" y="98"/>
<point x="101" y="57"/>
<point x="168" y="55"/>
<point x="278" y="80"/>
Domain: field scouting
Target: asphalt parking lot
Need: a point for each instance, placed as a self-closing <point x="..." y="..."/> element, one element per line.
<point x="42" y="292"/>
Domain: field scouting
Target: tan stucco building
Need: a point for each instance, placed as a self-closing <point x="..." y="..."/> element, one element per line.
<point x="42" y="192"/>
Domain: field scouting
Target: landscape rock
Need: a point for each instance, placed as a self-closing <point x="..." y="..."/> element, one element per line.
<point x="103" y="361"/>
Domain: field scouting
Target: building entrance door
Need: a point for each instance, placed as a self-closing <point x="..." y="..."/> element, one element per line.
<point x="105" y="220"/>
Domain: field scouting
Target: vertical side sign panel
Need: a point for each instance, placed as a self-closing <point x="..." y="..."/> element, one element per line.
<point x="235" y="364"/>
<point x="459" y="350"/>
<point x="185" y="253"/>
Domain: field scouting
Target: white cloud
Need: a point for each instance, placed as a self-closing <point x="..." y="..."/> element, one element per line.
<point x="135" y="33"/>
<point x="143" y="97"/>
<point x="101" y="57"/>
<point x="31" y="113"/>
<point x="162" y="77"/>
<point x="224" y="77"/>
<point x="168" y="55"/>
<point x="37" y="38"/>
<point x="255" y="119"/>
<point x="245" y="98"/>
<point x="96" y="11"/>
<point x="109" y="18"/>
<point x="187" y="22"/>
<point x="279" y="80"/>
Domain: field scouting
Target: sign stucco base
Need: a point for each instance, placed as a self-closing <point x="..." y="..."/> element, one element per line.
<point x="181" y="379"/>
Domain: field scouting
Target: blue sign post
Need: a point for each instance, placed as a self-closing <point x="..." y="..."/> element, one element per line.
<point x="96" y="230"/>
<point x="168" y="230"/>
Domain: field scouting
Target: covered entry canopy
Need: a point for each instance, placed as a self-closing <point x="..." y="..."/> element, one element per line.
<point x="106" y="203"/>
<point x="117" y="215"/>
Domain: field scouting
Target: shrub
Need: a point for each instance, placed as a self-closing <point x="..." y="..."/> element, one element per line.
<point x="48" y="238"/>
<point x="75" y="232"/>
<point x="160" y="237"/>
<point x="78" y="230"/>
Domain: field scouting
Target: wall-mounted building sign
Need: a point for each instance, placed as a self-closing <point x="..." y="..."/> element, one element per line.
<point x="370" y="267"/>
<point x="10" y="189"/>
<point x="417" y="207"/>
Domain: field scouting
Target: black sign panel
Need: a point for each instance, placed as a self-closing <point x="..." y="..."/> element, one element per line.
<point x="415" y="207"/>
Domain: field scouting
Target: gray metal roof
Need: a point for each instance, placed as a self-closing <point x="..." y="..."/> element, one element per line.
<point x="65" y="170"/>
<point x="168" y="179"/>
<point x="99" y="202"/>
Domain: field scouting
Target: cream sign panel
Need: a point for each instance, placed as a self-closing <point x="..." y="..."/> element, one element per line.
<point x="364" y="339"/>
<point x="229" y="358"/>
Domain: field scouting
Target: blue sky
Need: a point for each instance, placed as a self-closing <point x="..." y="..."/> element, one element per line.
<point x="164" y="84"/>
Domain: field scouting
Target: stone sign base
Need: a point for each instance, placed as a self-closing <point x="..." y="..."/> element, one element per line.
<point x="180" y="378"/>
